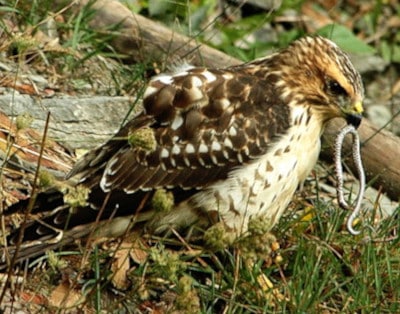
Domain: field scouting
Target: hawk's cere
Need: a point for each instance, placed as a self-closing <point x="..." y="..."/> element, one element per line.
<point x="225" y="145"/>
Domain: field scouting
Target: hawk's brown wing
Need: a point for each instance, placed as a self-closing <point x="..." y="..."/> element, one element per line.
<point x="204" y="122"/>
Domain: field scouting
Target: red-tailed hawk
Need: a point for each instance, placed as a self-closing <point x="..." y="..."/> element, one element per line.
<point x="229" y="145"/>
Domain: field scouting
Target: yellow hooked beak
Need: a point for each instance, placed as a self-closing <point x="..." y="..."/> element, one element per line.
<point x="353" y="114"/>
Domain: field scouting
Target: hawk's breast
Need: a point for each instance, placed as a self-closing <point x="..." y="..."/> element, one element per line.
<point x="264" y="187"/>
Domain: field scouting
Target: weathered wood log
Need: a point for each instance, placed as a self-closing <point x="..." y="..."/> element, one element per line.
<point x="380" y="152"/>
<point x="144" y="40"/>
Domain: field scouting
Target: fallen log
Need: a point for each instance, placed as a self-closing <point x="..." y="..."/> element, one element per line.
<point x="141" y="39"/>
<point x="380" y="151"/>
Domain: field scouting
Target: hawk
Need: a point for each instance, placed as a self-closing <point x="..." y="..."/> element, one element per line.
<point x="227" y="145"/>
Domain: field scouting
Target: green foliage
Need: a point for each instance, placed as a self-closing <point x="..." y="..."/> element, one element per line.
<point x="389" y="51"/>
<point x="166" y="264"/>
<point x="31" y="12"/>
<point x="345" y="39"/>
<point x="189" y="14"/>
<point x="378" y="24"/>
<point x="236" y="39"/>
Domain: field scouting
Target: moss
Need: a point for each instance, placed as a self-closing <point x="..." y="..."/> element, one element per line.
<point x="187" y="300"/>
<point x="162" y="201"/>
<point x="55" y="262"/>
<point x="167" y="264"/>
<point x="46" y="179"/>
<point x="77" y="196"/>
<point x="23" y="121"/>
<point x="217" y="238"/>
<point x="258" y="243"/>
<point x="143" y="138"/>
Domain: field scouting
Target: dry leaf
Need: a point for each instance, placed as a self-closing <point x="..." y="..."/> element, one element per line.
<point x="63" y="296"/>
<point x="120" y="267"/>
<point x="139" y="252"/>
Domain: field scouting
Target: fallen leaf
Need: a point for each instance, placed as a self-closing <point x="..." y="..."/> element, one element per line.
<point x="120" y="266"/>
<point x="139" y="252"/>
<point x="63" y="296"/>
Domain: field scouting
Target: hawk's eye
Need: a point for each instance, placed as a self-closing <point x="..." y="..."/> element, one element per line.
<point x="335" y="88"/>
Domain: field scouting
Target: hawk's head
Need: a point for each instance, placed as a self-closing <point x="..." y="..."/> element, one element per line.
<point x="315" y="71"/>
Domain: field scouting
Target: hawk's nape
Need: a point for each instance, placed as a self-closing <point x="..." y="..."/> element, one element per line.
<point x="222" y="145"/>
